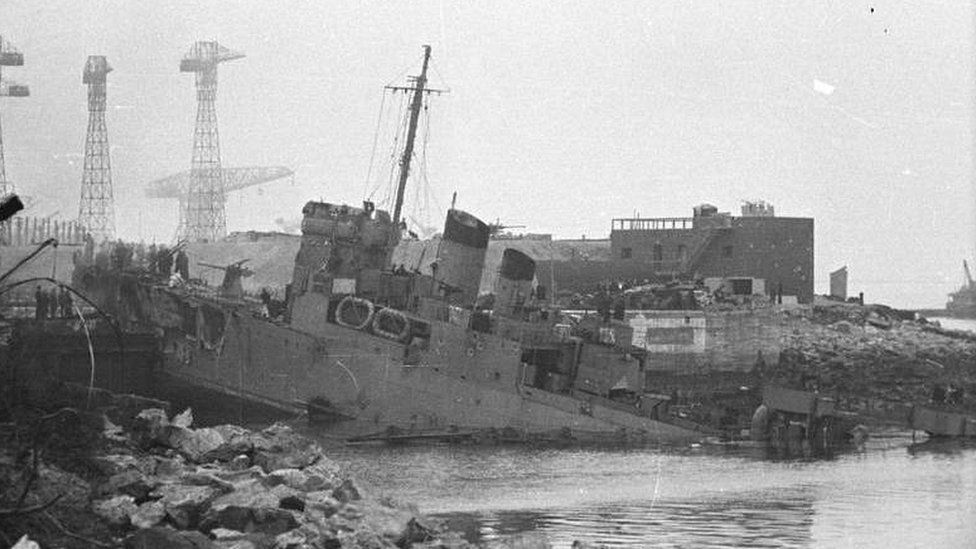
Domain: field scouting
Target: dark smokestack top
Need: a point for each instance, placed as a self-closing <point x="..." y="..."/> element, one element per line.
<point x="464" y="228"/>
<point x="516" y="265"/>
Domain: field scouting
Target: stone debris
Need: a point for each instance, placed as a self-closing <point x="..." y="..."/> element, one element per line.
<point x="872" y="356"/>
<point x="170" y="485"/>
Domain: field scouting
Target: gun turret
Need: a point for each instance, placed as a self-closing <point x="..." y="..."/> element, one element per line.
<point x="232" y="286"/>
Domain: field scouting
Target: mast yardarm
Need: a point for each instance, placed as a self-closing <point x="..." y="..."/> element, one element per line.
<point x="415" y="104"/>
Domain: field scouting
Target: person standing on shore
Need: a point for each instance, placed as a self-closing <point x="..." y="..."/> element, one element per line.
<point x="183" y="265"/>
<point x="65" y="302"/>
<point x="40" y="304"/>
<point x="52" y="303"/>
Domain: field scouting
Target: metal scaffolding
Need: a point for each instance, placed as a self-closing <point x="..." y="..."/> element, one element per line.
<point x="202" y="218"/>
<point x="96" y="211"/>
<point x="9" y="57"/>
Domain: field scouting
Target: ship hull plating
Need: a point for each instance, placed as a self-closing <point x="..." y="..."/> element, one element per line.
<point x="463" y="381"/>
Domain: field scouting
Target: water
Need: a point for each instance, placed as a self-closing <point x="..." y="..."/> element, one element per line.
<point x="889" y="495"/>
<point x="956" y="323"/>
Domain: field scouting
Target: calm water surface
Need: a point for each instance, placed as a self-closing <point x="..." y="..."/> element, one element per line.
<point x="891" y="494"/>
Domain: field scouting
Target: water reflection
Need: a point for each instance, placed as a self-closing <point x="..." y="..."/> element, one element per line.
<point x="772" y="520"/>
<point x="890" y="494"/>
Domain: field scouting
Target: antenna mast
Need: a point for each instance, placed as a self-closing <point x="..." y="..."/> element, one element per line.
<point x="415" y="104"/>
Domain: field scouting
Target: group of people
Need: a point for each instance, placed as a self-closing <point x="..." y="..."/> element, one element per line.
<point x="121" y="256"/>
<point x="53" y="304"/>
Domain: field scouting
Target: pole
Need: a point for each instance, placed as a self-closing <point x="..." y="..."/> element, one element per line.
<point x="415" y="105"/>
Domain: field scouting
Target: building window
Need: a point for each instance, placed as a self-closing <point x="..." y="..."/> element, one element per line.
<point x="626" y="253"/>
<point x="658" y="252"/>
<point x="682" y="252"/>
<point x="727" y="251"/>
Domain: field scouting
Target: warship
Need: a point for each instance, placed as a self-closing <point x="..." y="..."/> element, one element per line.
<point x="962" y="303"/>
<point x="375" y="351"/>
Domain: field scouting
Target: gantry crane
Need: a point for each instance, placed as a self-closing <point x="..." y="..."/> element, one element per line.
<point x="9" y="57"/>
<point x="96" y="210"/>
<point x="233" y="179"/>
<point x="202" y="218"/>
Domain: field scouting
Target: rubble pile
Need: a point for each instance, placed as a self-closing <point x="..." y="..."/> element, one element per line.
<point x="861" y="352"/>
<point x="161" y="483"/>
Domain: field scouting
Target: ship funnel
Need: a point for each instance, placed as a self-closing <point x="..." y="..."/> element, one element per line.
<point x="514" y="282"/>
<point x="461" y="256"/>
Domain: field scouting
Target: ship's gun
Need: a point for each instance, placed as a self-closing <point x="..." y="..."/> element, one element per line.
<point x="232" y="286"/>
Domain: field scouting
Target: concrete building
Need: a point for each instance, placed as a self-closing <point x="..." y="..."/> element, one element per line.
<point x="756" y="244"/>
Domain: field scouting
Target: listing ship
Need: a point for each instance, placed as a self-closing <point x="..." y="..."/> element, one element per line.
<point x="962" y="303"/>
<point x="376" y="351"/>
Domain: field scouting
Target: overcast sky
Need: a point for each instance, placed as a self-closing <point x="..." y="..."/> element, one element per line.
<point x="560" y="116"/>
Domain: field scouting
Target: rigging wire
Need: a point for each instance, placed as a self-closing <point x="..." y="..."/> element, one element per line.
<point x="393" y="147"/>
<point x="372" y="154"/>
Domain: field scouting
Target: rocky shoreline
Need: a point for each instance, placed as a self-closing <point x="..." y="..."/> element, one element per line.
<point x="123" y="476"/>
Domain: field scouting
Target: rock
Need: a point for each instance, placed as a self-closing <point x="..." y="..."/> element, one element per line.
<point x="193" y="444"/>
<point x="239" y="463"/>
<point x="148" y="426"/>
<point x="225" y="534"/>
<point x="292" y="478"/>
<point x="111" y="431"/>
<point x="26" y="543"/>
<point x="347" y="491"/>
<point x="167" y="538"/>
<point x="132" y="482"/>
<point x="185" y="504"/>
<point x="183" y="419"/>
<point x="207" y="478"/>
<point x="149" y="514"/>
<point x="115" y="511"/>
<point x="842" y="326"/>
<point x="322" y="503"/>
<point x="292" y="539"/>
<point x="251" y="507"/>
<point x="113" y="464"/>
<point x="306" y="480"/>
<point x="293" y="503"/>
<point x="322" y="475"/>
<point x="282" y="448"/>
<point x="415" y="532"/>
<point x="237" y="442"/>
<point x="239" y="544"/>
<point x="249" y="541"/>
<point x="265" y="520"/>
<point x="251" y="473"/>
<point x="170" y="466"/>
<point x="350" y="512"/>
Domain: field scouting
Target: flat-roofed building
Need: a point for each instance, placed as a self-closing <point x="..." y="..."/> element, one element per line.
<point x="756" y="244"/>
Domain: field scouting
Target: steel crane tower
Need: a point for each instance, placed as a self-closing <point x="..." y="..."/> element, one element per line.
<point x="9" y="57"/>
<point x="96" y="211"/>
<point x="202" y="219"/>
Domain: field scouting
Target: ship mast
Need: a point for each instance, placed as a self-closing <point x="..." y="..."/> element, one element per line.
<point x="415" y="103"/>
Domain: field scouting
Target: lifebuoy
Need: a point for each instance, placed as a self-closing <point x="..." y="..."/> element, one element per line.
<point x="347" y="307"/>
<point x="387" y="318"/>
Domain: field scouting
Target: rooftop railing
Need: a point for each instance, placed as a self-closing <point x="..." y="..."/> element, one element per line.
<point x="652" y="224"/>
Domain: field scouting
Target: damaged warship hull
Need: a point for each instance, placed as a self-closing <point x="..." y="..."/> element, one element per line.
<point x="465" y="382"/>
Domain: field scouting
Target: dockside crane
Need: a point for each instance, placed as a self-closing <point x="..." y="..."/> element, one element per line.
<point x="96" y="210"/>
<point x="233" y="179"/>
<point x="9" y="57"/>
<point x="202" y="219"/>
